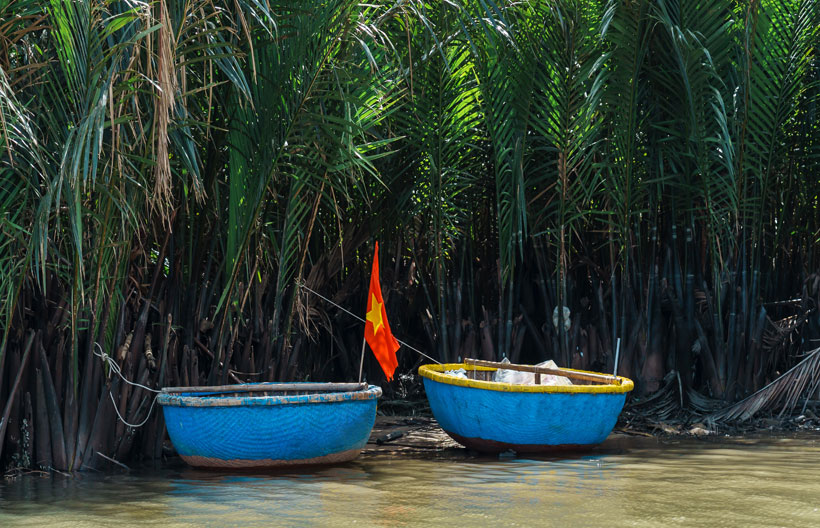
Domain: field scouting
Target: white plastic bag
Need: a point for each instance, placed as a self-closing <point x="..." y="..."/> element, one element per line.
<point x="549" y="379"/>
<point x="516" y="377"/>
<point x="503" y="375"/>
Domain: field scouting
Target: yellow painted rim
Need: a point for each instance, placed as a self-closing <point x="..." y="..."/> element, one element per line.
<point x="436" y="373"/>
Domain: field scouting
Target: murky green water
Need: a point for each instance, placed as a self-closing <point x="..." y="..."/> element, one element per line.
<point x="627" y="482"/>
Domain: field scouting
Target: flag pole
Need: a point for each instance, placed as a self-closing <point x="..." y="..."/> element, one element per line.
<point x="361" y="363"/>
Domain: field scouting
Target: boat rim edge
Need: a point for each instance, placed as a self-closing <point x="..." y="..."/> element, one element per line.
<point x="436" y="373"/>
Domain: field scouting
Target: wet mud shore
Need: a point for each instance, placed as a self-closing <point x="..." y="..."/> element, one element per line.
<point x="419" y="436"/>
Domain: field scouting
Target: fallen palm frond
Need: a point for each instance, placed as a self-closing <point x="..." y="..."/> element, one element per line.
<point x="662" y="404"/>
<point x="801" y="381"/>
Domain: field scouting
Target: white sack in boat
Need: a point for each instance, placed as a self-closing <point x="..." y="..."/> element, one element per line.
<point x="517" y="377"/>
<point x="460" y="373"/>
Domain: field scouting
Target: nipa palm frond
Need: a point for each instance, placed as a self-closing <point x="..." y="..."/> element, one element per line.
<point x="801" y="381"/>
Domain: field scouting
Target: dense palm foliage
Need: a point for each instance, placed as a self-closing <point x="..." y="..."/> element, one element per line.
<point x="171" y="172"/>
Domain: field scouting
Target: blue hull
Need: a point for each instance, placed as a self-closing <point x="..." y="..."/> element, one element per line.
<point x="493" y="417"/>
<point x="269" y="431"/>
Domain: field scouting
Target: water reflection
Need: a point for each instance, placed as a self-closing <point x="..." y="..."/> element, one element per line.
<point x="625" y="483"/>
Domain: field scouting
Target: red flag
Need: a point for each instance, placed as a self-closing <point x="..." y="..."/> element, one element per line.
<point x="376" y="329"/>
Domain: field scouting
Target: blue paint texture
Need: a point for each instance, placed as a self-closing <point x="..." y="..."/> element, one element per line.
<point x="525" y="418"/>
<point x="270" y="427"/>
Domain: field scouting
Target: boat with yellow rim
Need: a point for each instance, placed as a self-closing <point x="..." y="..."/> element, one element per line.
<point x="491" y="417"/>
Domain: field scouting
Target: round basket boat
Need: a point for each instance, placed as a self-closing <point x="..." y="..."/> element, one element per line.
<point x="492" y="417"/>
<point x="270" y="424"/>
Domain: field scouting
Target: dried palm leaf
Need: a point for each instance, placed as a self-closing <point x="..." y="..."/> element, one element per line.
<point x="778" y="333"/>
<point x="784" y="392"/>
<point x="702" y="404"/>
<point x="166" y="86"/>
<point x="663" y="403"/>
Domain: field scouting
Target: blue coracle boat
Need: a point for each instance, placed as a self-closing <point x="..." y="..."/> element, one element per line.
<point x="492" y="417"/>
<point x="269" y="424"/>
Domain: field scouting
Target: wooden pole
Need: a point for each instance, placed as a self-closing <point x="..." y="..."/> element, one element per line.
<point x="583" y="376"/>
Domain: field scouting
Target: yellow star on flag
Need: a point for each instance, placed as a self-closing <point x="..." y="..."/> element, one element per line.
<point x="375" y="314"/>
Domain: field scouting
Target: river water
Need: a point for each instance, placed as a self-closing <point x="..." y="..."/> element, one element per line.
<point x="628" y="481"/>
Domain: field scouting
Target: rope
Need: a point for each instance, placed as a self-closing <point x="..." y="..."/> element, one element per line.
<point x="134" y="426"/>
<point x="116" y="369"/>
<point x="416" y="350"/>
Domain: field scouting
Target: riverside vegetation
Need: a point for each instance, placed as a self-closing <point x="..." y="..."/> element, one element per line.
<point x="172" y="172"/>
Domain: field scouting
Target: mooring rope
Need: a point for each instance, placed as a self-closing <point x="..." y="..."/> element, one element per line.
<point x="414" y="349"/>
<point x="116" y="369"/>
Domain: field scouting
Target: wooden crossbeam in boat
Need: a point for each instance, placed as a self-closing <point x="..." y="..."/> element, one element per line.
<point x="583" y="376"/>
<point x="273" y="387"/>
